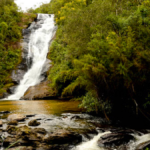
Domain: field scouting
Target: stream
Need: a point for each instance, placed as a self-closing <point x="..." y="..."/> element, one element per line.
<point x="55" y="115"/>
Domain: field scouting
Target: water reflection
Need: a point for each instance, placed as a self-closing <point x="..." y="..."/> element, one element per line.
<point x="55" y="107"/>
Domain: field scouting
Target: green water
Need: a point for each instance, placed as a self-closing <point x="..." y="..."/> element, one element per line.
<point x="55" y="107"/>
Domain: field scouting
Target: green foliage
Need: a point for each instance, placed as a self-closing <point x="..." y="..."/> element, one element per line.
<point x="101" y="47"/>
<point x="89" y="102"/>
<point x="10" y="34"/>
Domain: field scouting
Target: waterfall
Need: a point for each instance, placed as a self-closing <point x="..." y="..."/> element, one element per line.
<point x="41" y="34"/>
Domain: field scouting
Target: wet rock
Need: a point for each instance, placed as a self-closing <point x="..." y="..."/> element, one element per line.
<point x="33" y="137"/>
<point x="34" y="123"/>
<point x="114" y="139"/>
<point x="23" y="135"/>
<point x="23" y="130"/>
<point x="26" y="31"/>
<point x="143" y="146"/>
<point x="28" y="116"/>
<point x="13" y="122"/>
<point x="48" y="119"/>
<point x="17" y="117"/>
<point x="25" y="46"/>
<point x="1" y="123"/>
<point x="76" y="117"/>
<point x="9" y="140"/>
<point x="63" y="137"/>
<point x="45" y="68"/>
<point x="100" y="129"/>
<point x="38" y="118"/>
<point x="17" y="75"/>
<point x="117" y="130"/>
<point x="6" y="94"/>
<point x="11" y="130"/>
<point x="11" y="90"/>
<point x="4" y="112"/>
<point x="39" y="130"/>
<point x="126" y="131"/>
<point x="37" y="92"/>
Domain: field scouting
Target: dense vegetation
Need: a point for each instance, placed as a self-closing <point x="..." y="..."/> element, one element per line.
<point x="12" y="21"/>
<point x="101" y="53"/>
<point x="10" y="34"/>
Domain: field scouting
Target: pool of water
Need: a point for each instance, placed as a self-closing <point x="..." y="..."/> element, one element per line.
<point x="54" y="107"/>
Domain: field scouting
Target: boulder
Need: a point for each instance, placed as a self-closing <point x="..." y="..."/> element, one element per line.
<point x="9" y="141"/>
<point x="39" y="130"/>
<point x="17" y="117"/>
<point x="22" y="136"/>
<point x="4" y="112"/>
<point x="13" y="122"/>
<point x="114" y="139"/>
<point x="38" y="91"/>
<point x="23" y="130"/>
<point x="63" y="137"/>
<point x="33" y="123"/>
<point x="11" y="130"/>
<point x="1" y="123"/>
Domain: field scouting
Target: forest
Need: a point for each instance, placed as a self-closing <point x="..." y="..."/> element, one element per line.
<point x="100" y="54"/>
<point x="10" y="35"/>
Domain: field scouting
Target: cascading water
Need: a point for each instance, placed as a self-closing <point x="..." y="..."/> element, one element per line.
<point x="132" y="145"/>
<point x="92" y="144"/>
<point x="37" y="52"/>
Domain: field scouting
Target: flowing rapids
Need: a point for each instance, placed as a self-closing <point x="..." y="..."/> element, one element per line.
<point x="92" y="144"/>
<point x="38" y="49"/>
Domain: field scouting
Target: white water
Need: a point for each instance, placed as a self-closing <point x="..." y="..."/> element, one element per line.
<point x="38" y="49"/>
<point x="92" y="144"/>
<point x="139" y="140"/>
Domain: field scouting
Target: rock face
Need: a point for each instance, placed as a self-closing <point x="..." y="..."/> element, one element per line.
<point x="17" y="75"/>
<point x="17" y="117"/>
<point x="37" y="92"/>
<point x="114" y="139"/>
